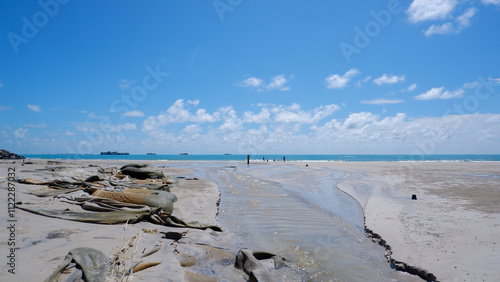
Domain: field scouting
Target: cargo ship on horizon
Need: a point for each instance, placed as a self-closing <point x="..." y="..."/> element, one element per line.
<point x="113" y="153"/>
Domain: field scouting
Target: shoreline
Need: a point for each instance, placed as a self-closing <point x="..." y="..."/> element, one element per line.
<point x="441" y="230"/>
<point x="450" y="222"/>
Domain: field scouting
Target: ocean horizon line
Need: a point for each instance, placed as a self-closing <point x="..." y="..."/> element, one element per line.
<point x="276" y="157"/>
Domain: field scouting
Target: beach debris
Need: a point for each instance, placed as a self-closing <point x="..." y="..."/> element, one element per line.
<point x="414" y="197"/>
<point x="249" y="261"/>
<point x="141" y="266"/>
<point x="141" y="171"/>
<point x="155" y="249"/>
<point x="109" y="202"/>
<point x="91" y="265"/>
<point x="173" y="235"/>
<point x="192" y="178"/>
<point x="122" y="259"/>
<point x="150" y="230"/>
<point x="93" y="178"/>
<point x="153" y="199"/>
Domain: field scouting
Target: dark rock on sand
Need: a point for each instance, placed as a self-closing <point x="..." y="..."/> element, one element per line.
<point x="92" y="178"/>
<point x="141" y="171"/>
<point x="6" y="155"/>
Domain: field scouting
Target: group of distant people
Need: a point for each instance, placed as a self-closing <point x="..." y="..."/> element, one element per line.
<point x="264" y="159"/>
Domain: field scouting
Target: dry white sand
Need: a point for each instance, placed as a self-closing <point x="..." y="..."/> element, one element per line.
<point x="451" y="230"/>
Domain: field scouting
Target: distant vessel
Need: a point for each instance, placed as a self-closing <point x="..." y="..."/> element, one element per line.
<point x="184" y="154"/>
<point x="151" y="154"/>
<point x="113" y="153"/>
<point x="227" y="154"/>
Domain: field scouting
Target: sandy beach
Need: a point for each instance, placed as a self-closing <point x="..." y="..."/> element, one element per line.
<point x="449" y="231"/>
<point x="43" y="242"/>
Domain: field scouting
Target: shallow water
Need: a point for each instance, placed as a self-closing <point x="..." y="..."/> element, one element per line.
<point x="300" y="215"/>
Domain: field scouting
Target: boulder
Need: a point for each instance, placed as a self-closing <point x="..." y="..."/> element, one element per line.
<point x="6" y="155"/>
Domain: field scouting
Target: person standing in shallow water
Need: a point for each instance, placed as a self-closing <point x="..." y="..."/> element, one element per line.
<point x="283" y="158"/>
<point x="248" y="159"/>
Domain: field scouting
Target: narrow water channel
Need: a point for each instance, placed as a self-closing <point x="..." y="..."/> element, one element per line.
<point x="301" y="215"/>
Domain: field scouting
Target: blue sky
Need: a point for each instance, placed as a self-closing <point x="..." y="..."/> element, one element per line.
<point x="260" y="77"/>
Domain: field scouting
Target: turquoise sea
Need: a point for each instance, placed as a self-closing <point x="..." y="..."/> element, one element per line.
<point x="345" y="158"/>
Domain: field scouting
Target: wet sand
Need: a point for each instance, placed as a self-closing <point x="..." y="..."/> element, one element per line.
<point x="449" y="231"/>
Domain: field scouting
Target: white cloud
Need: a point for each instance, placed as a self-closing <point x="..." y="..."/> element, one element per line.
<point x="410" y="88"/>
<point x="194" y="102"/>
<point x="192" y="129"/>
<point x="179" y="113"/>
<point x="41" y="125"/>
<point x="446" y="28"/>
<point x="94" y="116"/>
<point x="440" y="93"/>
<point x="425" y="10"/>
<point x="358" y="120"/>
<point x="134" y="113"/>
<point x="35" y="108"/>
<point x="126" y="126"/>
<point x="125" y="84"/>
<point x="231" y="120"/>
<point x="277" y="83"/>
<point x="252" y="82"/>
<point x="364" y="80"/>
<point x="461" y="22"/>
<point x="280" y="129"/>
<point x="382" y="101"/>
<point x="497" y="80"/>
<point x="294" y="114"/>
<point x="262" y="117"/>
<point x="5" y="108"/>
<point x="106" y="128"/>
<point x="488" y="2"/>
<point x="470" y="85"/>
<point x="21" y="133"/>
<point x="386" y="79"/>
<point x="340" y="81"/>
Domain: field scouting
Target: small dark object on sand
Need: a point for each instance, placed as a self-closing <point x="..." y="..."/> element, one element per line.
<point x="307" y="165"/>
<point x="413" y="197"/>
<point x="92" y="178"/>
<point x="173" y="235"/>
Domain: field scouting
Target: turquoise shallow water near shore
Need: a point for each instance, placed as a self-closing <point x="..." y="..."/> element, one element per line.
<point x="258" y="157"/>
